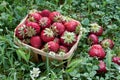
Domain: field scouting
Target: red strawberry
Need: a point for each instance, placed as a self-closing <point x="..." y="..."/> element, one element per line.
<point x="58" y="28"/>
<point x="55" y="17"/>
<point x="44" y="22"/>
<point x="20" y="31"/>
<point x="47" y="35"/>
<point x="35" y="41"/>
<point x="97" y="51"/>
<point x="68" y="38"/>
<point x="71" y="25"/>
<point x="57" y="40"/>
<point x="63" y="49"/>
<point x="96" y="29"/>
<point x="93" y="39"/>
<point x="45" y="13"/>
<point x="34" y="17"/>
<point x="107" y="43"/>
<point x="51" y="46"/>
<point x="102" y="67"/>
<point x="116" y="60"/>
<point x="32" y="29"/>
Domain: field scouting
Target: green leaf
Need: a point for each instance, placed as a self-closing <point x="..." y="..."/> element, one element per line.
<point x="85" y="21"/>
<point x="23" y="55"/>
<point x="75" y="63"/>
<point x="108" y="58"/>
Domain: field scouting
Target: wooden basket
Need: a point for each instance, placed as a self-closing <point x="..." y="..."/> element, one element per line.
<point x="44" y="54"/>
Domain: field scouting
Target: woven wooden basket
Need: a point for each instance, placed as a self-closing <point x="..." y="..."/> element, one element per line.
<point x="44" y="54"/>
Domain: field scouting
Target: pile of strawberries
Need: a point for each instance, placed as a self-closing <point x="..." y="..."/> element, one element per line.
<point x="97" y="48"/>
<point x="48" y="31"/>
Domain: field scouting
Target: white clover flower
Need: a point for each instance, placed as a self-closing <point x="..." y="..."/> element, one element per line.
<point x="52" y="53"/>
<point x="34" y="73"/>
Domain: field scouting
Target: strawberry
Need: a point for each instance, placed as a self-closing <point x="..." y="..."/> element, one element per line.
<point x="96" y="50"/>
<point x="34" y="17"/>
<point x="35" y="41"/>
<point x="63" y="49"/>
<point x="102" y="67"/>
<point x="44" y="22"/>
<point x="96" y="29"/>
<point x="107" y="43"/>
<point x="92" y="39"/>
<point x="20" y="32"/>
<point x="58" y="28"/>
<point x="32" y="29"/>
<point x="47" y="35"/>
<point x="55" y="16"/>
<point x="68" y="38"/>
<point x="71" y="25"/>
<point x="57" y="40"/>
<point x="51" y="46"/>
<point x="116" y="60"/>
<point x="45" y="13"/>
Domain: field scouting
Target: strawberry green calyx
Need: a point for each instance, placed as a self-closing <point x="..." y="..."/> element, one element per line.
<point x="46" y="48"/>
<point x="61" y="53"/>
<point x="105" y="44"/>
<point x="52" y="53"/>
<point x="21" y="31"/>
<point x="43" y="21"/>
<point x="33" y="11"/>
<point x="66" y="19"/>
<point x="31" y="19"/>
<point x="26" y="41"/>
<point x="48" y="32"/>
<point x="58" y="18"/>
<point x="95" y="27"/>
<point x="30" y="31"/>
<point x="69" y="37"/>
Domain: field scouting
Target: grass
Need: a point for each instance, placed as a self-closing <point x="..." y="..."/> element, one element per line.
<point x="15" y="65"/>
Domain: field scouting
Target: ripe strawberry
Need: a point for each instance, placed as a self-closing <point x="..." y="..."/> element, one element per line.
<point x="92" y="39"/>
<point x="32" y="29"/>
<point x="63" y="49"/>
<point x="68" y="38"/>
<point x="58" y="28"/>
<point x="51" y="46"/>
<point x="55" y="16"/>
<point x="35" y="41"/>
<point x="44" y="22"/>
<point x="57" y="40"/>
<point x="96" y="29"/>
<point x="102" y="67"/>
<point x="47" y="35"/>
<point x="20" y="31"/>
<point x="71" y="25"/>
<point x="45" y="13"/>
<point x="34" y="17"/>
<point x="96" y="50"/>
<point x="116" y="60"/>
<point x="107" y="43"/>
